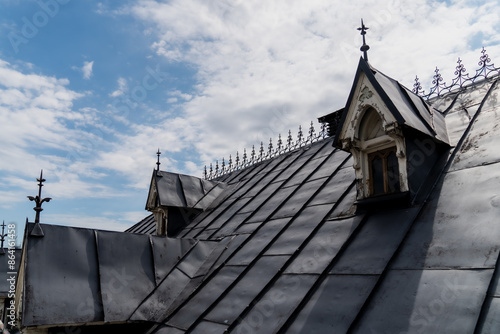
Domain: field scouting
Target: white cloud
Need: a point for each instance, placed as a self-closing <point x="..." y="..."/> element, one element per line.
<point x="265" y="67"/>
<point x="87" y="69"/>
<point x="122" y="88"/>
<point x="114" y="223"/>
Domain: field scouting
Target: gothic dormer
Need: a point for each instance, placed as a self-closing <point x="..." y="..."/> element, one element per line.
<point x="394" y="136"/>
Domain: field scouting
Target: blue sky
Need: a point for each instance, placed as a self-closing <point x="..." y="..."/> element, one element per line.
<point x="89" y="90"/>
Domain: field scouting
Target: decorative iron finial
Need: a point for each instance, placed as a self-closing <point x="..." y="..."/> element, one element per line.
<point x="158" y="163"/>
<point x="37" y="231"/>
<point x="2" y="238"/>
<point x="364" y="47"/>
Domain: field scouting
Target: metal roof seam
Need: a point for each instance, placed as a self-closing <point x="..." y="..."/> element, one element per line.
<point x="274" y="178"/>
<point x="190" y="228"/>
<point x="252" y="263"/>
<point x="303" y="244"/>
<point x="487" y="299"/>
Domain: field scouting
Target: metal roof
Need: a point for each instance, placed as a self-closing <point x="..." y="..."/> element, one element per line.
<point x="284" y="249"/>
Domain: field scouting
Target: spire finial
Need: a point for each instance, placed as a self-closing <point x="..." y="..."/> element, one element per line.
<point x="38" y="199"/>
<point x="2" y="237"/>
<point x="364" y="47"/>
<point x="158" y="163"/>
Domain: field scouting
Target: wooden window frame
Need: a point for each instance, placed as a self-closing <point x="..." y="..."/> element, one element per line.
<point x="383" y="154"/>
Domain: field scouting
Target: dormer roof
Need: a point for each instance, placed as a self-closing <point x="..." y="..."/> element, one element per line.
<point x="406" y="108"/>
<point x="181" y="191"/>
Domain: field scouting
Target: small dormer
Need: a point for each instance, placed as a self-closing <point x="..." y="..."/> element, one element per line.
<point x="175" y="199"/>
<point x="394" y="136"/>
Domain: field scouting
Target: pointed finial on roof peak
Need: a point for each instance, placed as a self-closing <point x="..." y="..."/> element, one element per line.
<point x="38" y="208"/>
<point x="2" y="237"/>
<point x="364" y="47"/>
<point x="158" y="163"/>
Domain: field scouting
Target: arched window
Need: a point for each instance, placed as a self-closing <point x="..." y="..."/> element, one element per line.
<point x="384" y="172"/>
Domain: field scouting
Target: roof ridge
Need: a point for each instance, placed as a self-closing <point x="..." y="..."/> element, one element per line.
<point x="212" y="173"/>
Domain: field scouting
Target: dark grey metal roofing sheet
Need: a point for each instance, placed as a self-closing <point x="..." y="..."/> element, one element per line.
<point x="205" y="297"/>
<point x="402" y="104"/>
<point x="324" y="246"/>
<point x="426" y="301"/>
<point x="98" y="275"/>
<point x="458" y="228"/>
<point x="5" y="268"/>
<point x="196" y="256"/>
<point x="298" y="230"/>
<point x="145" y="226"/>
<point x="231" y="225"/>
<point x="274" y="201"/>
<point x="167" y="252"/>
<point x="301" y="196"/>
<point x="335" y="187"/>
<point x="155" y="306"/>
<point x="275" y="307"/>
<point x="334" y="305"/>
<point x="52" y="287"/>
<point x="241" y="295"/>
<point x="376" y="242"/>
<point x="207" y="327"/>
<point x="126" y="272"/>
<point x="491" y="323"/>
<point x="258" y="242"/>
<point x="331" y="164"/>
<point x="176" y="190"/>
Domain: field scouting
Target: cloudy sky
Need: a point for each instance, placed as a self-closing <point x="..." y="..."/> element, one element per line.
<point x="89" y="90"/>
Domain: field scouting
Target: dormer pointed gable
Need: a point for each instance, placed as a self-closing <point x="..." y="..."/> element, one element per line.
<point x="382" y="123"/>
<point x="395" y="102"/>
<point x="173" y="198"/>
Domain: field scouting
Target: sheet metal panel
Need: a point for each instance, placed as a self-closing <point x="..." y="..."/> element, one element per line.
<point x="233" y="243"/>
<point x="262" y="197"/>
<point x="154" y="307"/>
<point x="207" y="327"/>
<point x="192" y="188"/>
<point x="459" y="226"/>
<point x="126" y="271"/>
<point x="276" y="306"/>
<point x="167" y="252"/>
<point x="4" y="269"/>
<point x="298" y="162"/>
<point x="376" y="242"/>
<point x="65" y="288"/>
<point x="231" y="210"/>
<point x="196" y="256"/>
<point x="334" y="305"/>
<point x="346" y="207"/>
<point x="211" y="195"/>
<point x="491" y="324"/>
<point x="169" y="190"/>
<point x="426" y="301"/>
<point x="299" y="230"/>
<point x="168" y="330"/>
<point x="400" y="101"/>
<point x="481" y="145"/>
<point x="306" y="171"/>
<point x="242" y="294"/>
<point x="331" y="165"/>
<point x="271" y="205"/>
<point x="204" y="297"/>
<point x="457" y="122"/>
<point x="336" y="187"/>
<point x="230" y="227"/>
<point x="324" y="246"/>
<point x="295" y="203"/>
<point x="258" y="242"/>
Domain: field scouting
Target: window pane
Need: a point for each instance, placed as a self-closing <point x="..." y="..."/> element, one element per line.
<point x="392" y="172"/>
<point x="377" y="175"/>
